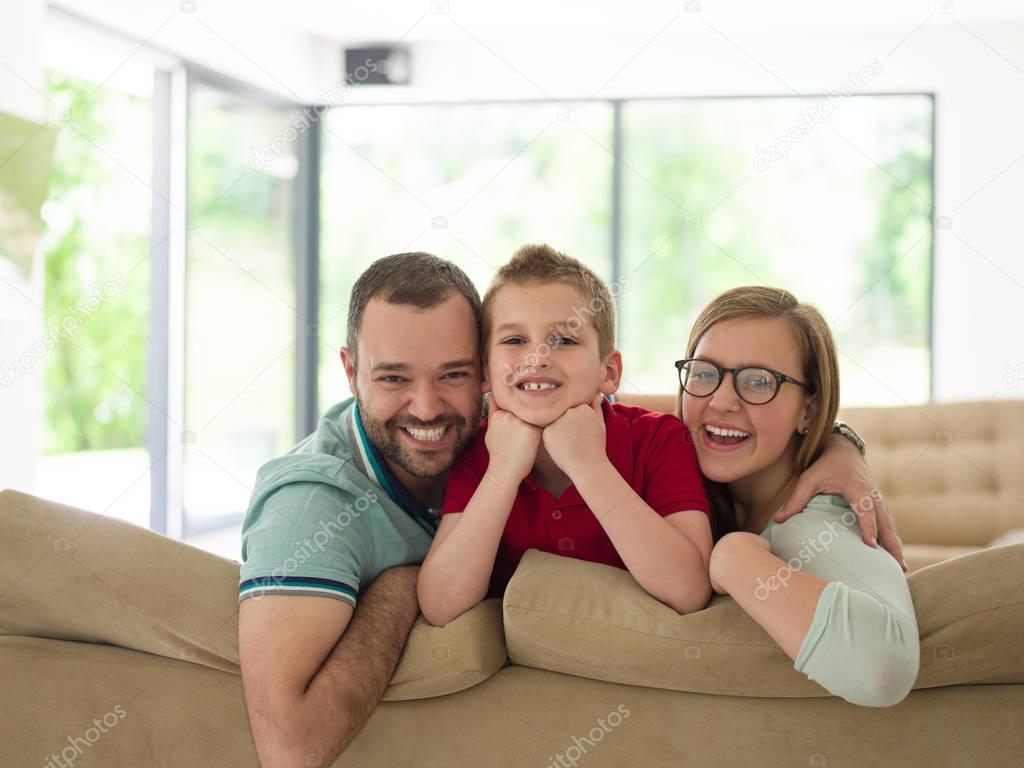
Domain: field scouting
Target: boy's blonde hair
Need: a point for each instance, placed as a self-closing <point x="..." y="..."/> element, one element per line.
<point x="540" y="263"/>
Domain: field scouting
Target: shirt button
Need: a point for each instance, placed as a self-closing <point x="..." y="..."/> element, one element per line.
<point x="557" y="514"/>
<point x="566" y="545"/>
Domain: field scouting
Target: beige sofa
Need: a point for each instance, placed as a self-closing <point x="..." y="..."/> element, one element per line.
<point x="118" y="646"/>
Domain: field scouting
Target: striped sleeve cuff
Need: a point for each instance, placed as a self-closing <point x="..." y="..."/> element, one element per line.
<point x="297" y="585"/>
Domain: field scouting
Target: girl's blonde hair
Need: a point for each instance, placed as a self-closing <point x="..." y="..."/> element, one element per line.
<point x="820" y="368"/>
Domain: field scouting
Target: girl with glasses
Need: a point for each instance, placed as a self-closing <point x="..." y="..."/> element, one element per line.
<point x="759" y="393"/>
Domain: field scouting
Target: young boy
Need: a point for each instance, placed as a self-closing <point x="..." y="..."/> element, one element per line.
<point x="555" y="466"/>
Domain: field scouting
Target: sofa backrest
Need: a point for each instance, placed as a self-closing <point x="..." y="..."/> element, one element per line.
<point x="952" y="473"/>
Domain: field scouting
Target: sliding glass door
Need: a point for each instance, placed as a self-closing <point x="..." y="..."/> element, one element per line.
<point x="240" y="341"/>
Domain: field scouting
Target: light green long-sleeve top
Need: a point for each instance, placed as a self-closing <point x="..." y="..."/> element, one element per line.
<point x="863" y="642"/>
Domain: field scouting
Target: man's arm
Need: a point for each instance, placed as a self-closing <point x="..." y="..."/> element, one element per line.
<point x="313" y="670"/>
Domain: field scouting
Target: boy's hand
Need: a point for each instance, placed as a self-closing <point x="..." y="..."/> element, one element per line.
<point x="511" y="443"/>
<point x="576" y="439"/>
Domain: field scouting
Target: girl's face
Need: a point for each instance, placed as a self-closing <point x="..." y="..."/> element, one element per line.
<point x="769" y="432"/>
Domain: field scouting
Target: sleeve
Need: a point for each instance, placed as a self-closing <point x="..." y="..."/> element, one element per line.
<point x="865" y="617"/>
<point x="306" y="538"/>
<point x="465" y="476"/>
<point x="672" y="475"/>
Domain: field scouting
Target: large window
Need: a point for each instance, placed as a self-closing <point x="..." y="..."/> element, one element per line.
<point x="170" y="256"/>
<point x="708" y="194"/>
<point x="96" y="256"/>
<point x="841" y="216"/>
<point x="240" y="300"/>
<point x="467" y="182"/>
<point x="181" y="245"/>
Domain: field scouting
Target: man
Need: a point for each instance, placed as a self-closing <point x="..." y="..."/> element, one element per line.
<point x="354" y="504"/>
<point x="348" y="514"/>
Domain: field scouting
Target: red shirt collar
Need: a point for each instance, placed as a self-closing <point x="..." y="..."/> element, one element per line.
<point x="618" y="447"/>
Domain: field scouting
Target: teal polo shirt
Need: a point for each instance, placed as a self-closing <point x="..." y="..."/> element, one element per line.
<point x="328" y="516"/>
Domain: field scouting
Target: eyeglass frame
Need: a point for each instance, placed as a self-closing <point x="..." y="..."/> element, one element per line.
<point x="780" y="378"/>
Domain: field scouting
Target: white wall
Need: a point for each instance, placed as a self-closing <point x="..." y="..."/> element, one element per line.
<point x="976" y="70"/>
<point x="246" y="41"/>
<point x="21" y="320"/>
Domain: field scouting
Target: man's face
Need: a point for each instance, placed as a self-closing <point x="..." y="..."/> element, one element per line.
<point x="417" y="382"/>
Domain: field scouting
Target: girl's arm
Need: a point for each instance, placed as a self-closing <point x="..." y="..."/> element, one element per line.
<point x="457" y="570"/>
<point x="840" y="609"/>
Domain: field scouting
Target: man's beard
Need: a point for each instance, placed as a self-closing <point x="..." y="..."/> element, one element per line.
<point x="384" y="435"/>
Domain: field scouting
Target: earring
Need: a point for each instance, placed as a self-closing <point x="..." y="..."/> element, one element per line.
<point x="805" y="430"/>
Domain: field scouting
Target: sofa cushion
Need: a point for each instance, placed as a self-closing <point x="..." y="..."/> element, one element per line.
<point x="950" y="472"/>
<point x="67" y="574"/>
<point x="919" y="556"/>
<point x="442" y="660"/>
<point x="173" y="713"/>
<point x="595" y="621"/>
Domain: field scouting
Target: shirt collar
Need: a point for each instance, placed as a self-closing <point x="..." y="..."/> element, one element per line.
<point x="374" y="466"/>
<point x="618" y="447"/>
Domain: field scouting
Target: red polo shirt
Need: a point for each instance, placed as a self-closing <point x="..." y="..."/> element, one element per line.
<point x="652" y="451"/>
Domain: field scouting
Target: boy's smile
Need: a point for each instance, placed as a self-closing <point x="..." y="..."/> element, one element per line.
<point x="543" y="356"/>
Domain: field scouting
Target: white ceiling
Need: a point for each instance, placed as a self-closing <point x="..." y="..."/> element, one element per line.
<point x="423" y="20"/>
<point x="366" y="21"/>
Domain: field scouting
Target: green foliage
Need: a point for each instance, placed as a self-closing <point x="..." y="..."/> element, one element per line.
<point x="95" y="374"/>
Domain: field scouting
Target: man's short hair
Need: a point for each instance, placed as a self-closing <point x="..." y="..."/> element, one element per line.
<point x="419" y="279"/>
<point x="540" y="263"/>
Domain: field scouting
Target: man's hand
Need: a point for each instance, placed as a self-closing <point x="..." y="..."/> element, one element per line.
<point x="842" y="470"/>
<point x="511" y="443"/>
<point x="312" y="670"/>
<point x="577" y="438"/>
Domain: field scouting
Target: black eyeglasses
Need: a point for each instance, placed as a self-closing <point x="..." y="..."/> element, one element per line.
<point x="754" y="385"/>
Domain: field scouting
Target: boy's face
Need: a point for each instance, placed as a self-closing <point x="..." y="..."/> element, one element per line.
<point x="543" y="354"/>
